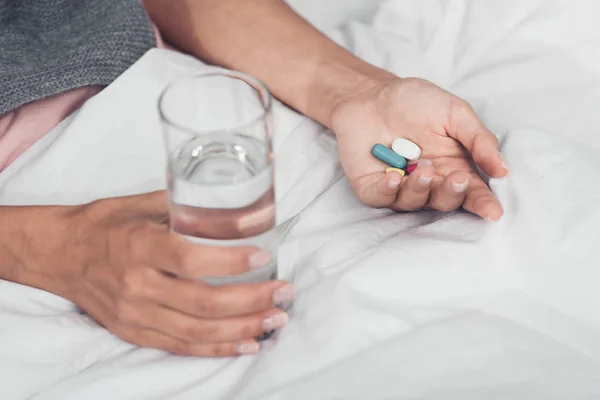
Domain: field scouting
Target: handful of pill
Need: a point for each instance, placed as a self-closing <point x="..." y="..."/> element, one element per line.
<point x="402" y="150"/>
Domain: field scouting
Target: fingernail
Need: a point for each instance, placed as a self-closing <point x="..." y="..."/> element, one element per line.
<point x="247" y="348"/>
<point x="460" y="187"/>
<point x="259" y="259"/>
<point x="503" y="163"/>
<point x="275" y="322"/>
<point x="284" y="294"/>
<point x="425" y="180"/>
<point x="425" y="163"/>
<point x="394" y="182"/>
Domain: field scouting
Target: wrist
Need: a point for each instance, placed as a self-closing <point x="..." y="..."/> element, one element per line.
<point x="35" y="246"/>
<point x="335" y="85"/>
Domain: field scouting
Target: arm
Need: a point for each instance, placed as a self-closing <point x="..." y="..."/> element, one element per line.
<point x="268" y="40"/>
<point x="362" y="104"/>
<point x="117" y="260"/>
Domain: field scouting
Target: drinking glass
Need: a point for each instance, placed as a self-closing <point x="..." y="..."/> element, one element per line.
<point x="218" y="133"/>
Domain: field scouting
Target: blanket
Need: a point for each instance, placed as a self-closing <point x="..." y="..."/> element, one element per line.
<point x="422" y="305"/>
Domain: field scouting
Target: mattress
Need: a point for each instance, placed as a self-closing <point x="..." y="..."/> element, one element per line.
<point x="424" y="305"/>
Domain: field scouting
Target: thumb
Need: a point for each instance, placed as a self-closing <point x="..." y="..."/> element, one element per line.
<point x="378" y="190"/>
<point x="479" y="141"/>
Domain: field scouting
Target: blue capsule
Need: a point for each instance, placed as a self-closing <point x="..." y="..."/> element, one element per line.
<point x="388" y="156"/>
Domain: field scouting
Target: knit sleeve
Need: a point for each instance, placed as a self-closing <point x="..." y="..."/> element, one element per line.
<point x="51" y="46"/>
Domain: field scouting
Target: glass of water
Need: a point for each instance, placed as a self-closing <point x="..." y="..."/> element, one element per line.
<point x="218" y="132"/>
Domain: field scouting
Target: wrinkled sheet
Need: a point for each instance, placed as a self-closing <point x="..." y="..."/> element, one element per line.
<point x="333" y="13"/>
<point x="390" y="306"/>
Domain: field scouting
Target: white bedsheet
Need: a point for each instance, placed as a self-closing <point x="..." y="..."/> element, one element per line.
<point x="333" y="13"/>
<point x="415" y="306"/>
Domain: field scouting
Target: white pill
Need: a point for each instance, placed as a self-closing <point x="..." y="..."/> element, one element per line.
<point x="406" y="149"/>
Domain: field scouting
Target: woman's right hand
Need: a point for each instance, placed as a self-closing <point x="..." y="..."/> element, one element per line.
<point x="125" y="269"/>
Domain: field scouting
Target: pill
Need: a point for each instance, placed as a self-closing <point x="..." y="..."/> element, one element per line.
<point x="411" y="167"/>
<point x="389" y="157"/>
<point x="406" y="149"/>
<point x="398" y="170"/>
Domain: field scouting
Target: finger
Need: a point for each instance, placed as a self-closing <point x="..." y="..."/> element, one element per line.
<point x="481" y="201"/>
<point x="202" y="300"/>
<point x="378" y="190"/>
<point x="158" y="340"/>
<point x="153" y="206"/>
<point x="415" y="190"/>
<point x="153" y="203"/>
<point x="149" y="203"/>
<point x="451" y="193"/>
<point x="482" y="144"/>
<point x="197" y="330"/>
<point x="239" y="223"/>
<point x="175" y="254"/>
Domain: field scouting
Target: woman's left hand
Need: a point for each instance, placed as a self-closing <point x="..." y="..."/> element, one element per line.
<point x="452" y="139"/>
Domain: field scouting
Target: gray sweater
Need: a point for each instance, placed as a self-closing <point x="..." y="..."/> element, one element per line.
<point x="51" y="46"/>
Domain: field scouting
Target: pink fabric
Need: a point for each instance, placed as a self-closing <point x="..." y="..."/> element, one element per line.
<point x="23" y="127"/>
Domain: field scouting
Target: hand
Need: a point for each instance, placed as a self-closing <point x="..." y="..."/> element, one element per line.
<point x="128" y="276"/>
<point x="447" y="130"/>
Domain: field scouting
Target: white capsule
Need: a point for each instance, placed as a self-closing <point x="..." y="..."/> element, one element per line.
<point x="406" y="149"/>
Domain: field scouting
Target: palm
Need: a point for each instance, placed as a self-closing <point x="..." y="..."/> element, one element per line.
<point x="436" y="121"/>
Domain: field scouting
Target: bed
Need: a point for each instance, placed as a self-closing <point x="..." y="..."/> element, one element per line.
<point x="390" y="306"/>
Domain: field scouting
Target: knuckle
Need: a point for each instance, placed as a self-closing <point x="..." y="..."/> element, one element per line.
<point x="125" y="313"/>
<point x="398" y="208"/>
<point x="178" y="347"/>
<point x="420" y="193"/>
<point x="131" y="285"/>
<point x="364" y="197"/>
<point x="367" y="198"/>
<point x="480" y="191"/>
<point x="102" y="209"/>
<point x="461" y="106"/>
<point x="127" y="335"/>
<point x="415" y="84"/>
<point x="200" y="331"/>
<point x="220" y="350"/>
<point x="207" y="306"/>
<point x="250" y="330"/>
<point x="186" y="261"/>
<point x="408" y="206"/>
<point x="184" y="256"/>
<point x="237" y="259"/>
<point x="136" y="245"/>
<point x="415" y="195"/>
<point x="476" y="199"/>
<point x="460" y="110"/>
<point x="361" y="190"/>
<point x="260" y="301"/>
<point x="444" y="207"/>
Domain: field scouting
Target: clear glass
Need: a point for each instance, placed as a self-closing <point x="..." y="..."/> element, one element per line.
<point x="218" y="134"/>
